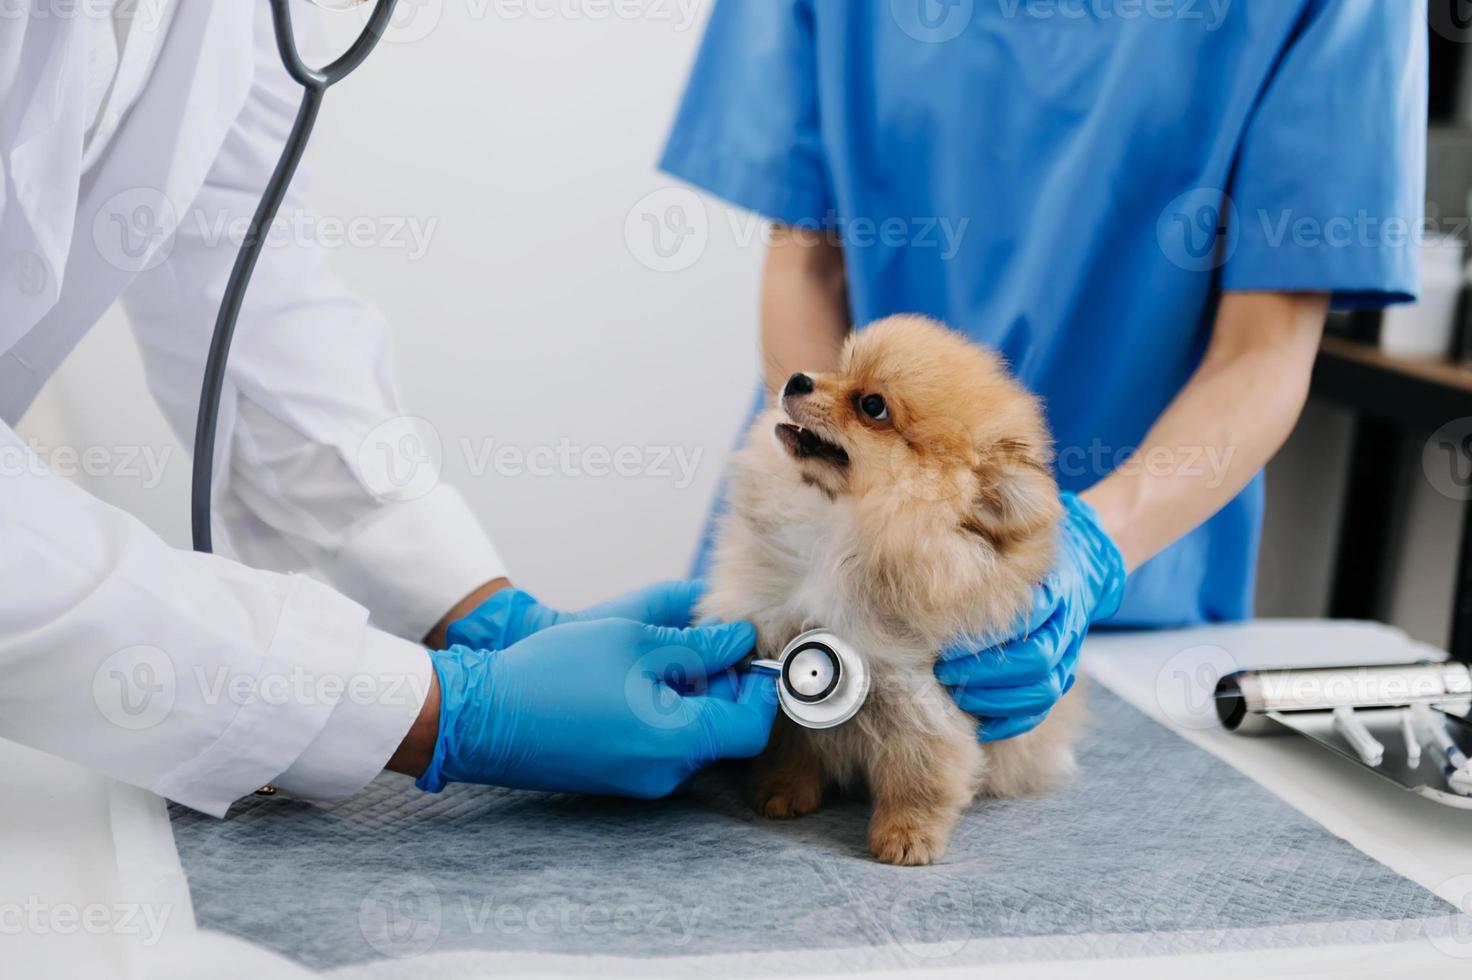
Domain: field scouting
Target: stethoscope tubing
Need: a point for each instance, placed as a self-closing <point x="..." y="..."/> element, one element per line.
<point x="315" y="83"/>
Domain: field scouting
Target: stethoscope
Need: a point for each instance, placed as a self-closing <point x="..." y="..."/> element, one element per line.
<point x="315" y="82"/>
<point x="822" y="681"/>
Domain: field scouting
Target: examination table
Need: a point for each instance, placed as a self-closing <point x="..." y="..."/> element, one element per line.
<point x="1185" y="851"/>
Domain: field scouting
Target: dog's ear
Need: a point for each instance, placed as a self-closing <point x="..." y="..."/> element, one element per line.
<point x="1016" y="494"/>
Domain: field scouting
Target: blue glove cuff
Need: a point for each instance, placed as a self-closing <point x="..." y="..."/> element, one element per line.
<point x="432" y="780"/>
<point x="1108" y="564"/>
<point x="495" y="624"/>
<point x="457" y="687"/>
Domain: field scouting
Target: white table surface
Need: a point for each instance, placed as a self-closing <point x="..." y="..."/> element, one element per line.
<point x="90" y="884"/>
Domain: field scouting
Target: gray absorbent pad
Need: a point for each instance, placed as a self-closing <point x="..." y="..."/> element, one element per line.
<point x="1157" y="847"/>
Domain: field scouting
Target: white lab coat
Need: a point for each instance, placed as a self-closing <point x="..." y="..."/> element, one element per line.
<point x="200" y="677"/>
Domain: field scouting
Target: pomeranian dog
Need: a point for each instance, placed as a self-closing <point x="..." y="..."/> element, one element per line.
<point x="903" y="502"/>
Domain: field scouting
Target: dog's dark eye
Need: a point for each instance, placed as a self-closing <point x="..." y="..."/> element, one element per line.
<point x="874" y="407"/>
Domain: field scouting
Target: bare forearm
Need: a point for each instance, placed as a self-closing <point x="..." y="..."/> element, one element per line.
<point x="1229" y="420"/>
<point x="805" y="317"/>
<point x="417" y="748"/>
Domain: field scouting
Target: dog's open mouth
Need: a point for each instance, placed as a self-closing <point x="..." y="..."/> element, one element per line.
<point x="803" y="444"/>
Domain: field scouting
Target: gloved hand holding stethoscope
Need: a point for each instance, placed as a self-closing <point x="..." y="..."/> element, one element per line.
<point x="608" y="706"/>
<point x="821" y="681"/>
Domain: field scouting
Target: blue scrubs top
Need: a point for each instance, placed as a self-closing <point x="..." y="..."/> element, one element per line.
<point x="1075" y="182"/>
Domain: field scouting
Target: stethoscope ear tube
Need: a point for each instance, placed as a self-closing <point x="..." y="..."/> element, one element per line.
<point x="822" y="682"/>
<point x="316" y="82"/>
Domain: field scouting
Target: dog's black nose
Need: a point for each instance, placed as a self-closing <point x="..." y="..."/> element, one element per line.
<point x="798" y="384"/>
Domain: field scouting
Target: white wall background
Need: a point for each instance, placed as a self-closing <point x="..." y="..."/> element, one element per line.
<point x="522" y="135"/>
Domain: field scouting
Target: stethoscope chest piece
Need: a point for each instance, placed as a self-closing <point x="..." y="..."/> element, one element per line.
<point x="822" y="681"/>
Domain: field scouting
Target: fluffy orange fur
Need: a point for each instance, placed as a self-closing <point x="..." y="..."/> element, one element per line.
<point x="901" y="534"/>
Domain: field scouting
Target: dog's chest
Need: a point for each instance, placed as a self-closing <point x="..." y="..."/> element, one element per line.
<point x="821" y="579"/>
<point x="808" y="552"/>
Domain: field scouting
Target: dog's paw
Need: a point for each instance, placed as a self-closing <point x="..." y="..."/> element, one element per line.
<point x="906" y="844"/>
<point x="785" y="798"/>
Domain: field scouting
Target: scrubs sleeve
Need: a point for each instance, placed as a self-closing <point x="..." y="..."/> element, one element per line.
<point x="748" y="130"/>
<point x="1330" y="179"/>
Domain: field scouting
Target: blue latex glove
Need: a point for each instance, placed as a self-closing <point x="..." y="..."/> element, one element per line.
<point x="609" y="707"/>
<point x="1013" y="686"/>
<point x="511" y="615"/>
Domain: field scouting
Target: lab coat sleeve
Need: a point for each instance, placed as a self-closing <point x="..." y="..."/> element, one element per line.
<point x="190" y="675"/>
<point x="749" y="127"/>
<point x="319" y="467"/>
<point x="1330" y="179"/>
